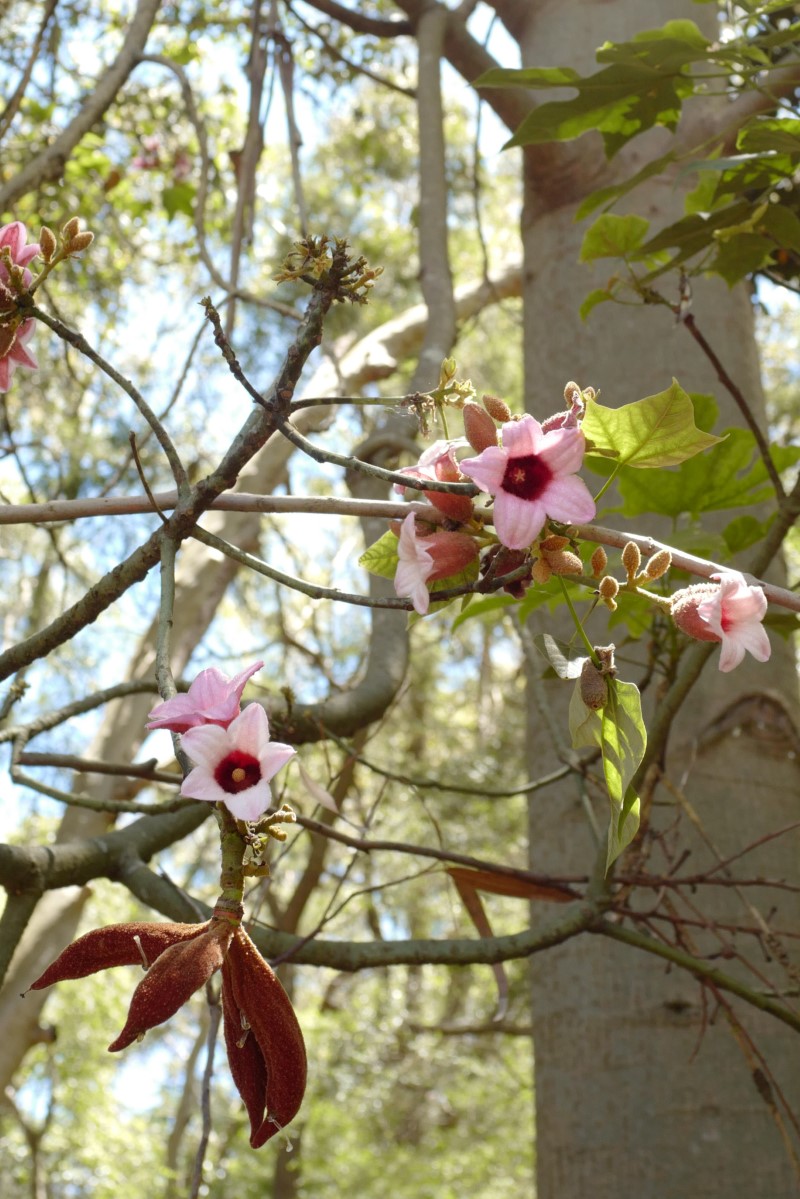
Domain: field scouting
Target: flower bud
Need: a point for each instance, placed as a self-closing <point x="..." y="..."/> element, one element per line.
<point x="71" y="228"/>
<point x="599" y="562"/>
<point x="607" y="588"/>
<point x="80" y="241"/>
<point x="497" y="408"/>
<point x="594" y="688"/>
<point x="571" y="393"/>
<point x="685" y="604"/>
<point x="554" y="542"/>
<point x="658" y="565"/>
<point x="541" y="571"/>
<point x="564" y="562"/>
<point x="479" y="427"/>
<point x="631" y="558"/>
<point x="47" y="243"/>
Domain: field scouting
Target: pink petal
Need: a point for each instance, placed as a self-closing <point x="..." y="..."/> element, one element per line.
<point x="274" y="758"/>
<point x="517" y="521"/>
<point x="14" y="236"/>
<point x="522" y="437"/>
<point x="209" y="688"/>
<point x="200" y="784"/>
<point x="569" y="500"/>
<point x="249" y="732"/>
<point x="250" y="804"/>
<point x="488" y="469"/>
<point x="731" y="653"/>
<point x="207" y="745"/>
<point x="563" y="450"/>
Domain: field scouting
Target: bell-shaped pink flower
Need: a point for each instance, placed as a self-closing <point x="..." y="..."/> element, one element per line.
<point x="14" y="338"/>
<point x="212" y="698"/>
<point x="425" y="559"/>
<point x="730" y="613"/>
<point x="235" y="764"/>
<point x="532" y="476"/>
<point x="439" y="462"/>
<point x="14" y="236"/>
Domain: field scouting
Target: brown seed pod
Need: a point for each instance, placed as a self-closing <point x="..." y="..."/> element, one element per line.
<point x="594" y="688"/>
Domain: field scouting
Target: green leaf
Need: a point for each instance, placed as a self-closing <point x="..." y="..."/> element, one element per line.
<point x="484" y="607"/>
<point x="624" y="740"/>
<point x="622" y="830"/>
<point x="740" y="256"/>
<point x="658" y="431"/>
<point x="765" y="135"/>
<point x="529" y="77"/>
<point x="585" y="725"/>
<point x="730" y="475"/>
<point x="608" y="195"/>
<point x="613" y="236"/>
<point x="380" y="558"/>
<point x="179" y="198"/>
<point x="598" y="296"/>
<point x="618" y="729"/>
<point x="744" y="531"/>
<point x="560" y="656"/>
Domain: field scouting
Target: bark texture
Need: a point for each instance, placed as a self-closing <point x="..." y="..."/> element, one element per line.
<point x="638" y="1097"/>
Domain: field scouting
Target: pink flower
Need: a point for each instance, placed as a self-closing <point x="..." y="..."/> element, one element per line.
<point x="13" y="352"/>
<point x="730" y="613"/>
<point x="426" y="559"/>
<point x="13" y="338"/>
<point x="212" y="699"/>
<point x="532" y="477"/>
<point x="14" y="237"/>
<point x="235" y="764"/>
<point x="439" y="462"/>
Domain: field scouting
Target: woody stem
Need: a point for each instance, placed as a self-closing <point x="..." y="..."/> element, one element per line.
<point x="231" y="878"/>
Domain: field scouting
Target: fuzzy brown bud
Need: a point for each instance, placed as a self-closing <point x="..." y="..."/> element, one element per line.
<point x="572" y="392"/>
<point x="553" y="543"/>
<point x="631" y="558"/>
<point x="72" y="227"/>
<point x="541" y="572"/>
<point x="81" y="241"/>
<point x="497" y="408"/>
<point x="479" y="427"/>
<point x="564" y="562"/>
<point x="658" y="565"/>
<point x="599" y="562"/>
<point x="594" y="688"/>
<point x="607" y="588"/>
<point x="47" y="243"/>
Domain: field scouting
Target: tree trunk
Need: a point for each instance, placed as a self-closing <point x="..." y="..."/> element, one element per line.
<point x="642" y="1092"/>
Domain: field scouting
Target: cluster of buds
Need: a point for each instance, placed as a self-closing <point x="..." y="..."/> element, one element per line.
<point x="17" y="285"/>
<point x="71" y="240"/>
<point x="265" y="1045"/>
<point x="325" y="261"/>
<point x="555" y="558"/>
<point x="608" y="587"/>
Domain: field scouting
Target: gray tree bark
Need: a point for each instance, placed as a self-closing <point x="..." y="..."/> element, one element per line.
<point x="641" y="1092"/>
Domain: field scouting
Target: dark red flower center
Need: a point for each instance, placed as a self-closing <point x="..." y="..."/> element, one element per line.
<point x="526" y="476"/>
<point x="237" y="772"/>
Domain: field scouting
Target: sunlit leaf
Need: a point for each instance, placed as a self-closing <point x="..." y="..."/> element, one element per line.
<point x="657" y="431"/>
